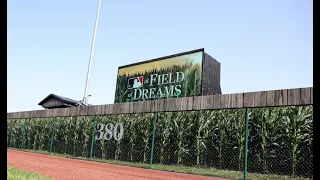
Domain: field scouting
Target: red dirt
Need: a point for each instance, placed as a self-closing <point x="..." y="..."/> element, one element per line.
<point x="61" y="168"/>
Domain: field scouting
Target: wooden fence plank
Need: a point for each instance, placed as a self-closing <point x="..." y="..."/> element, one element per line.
<point x="172" y="104"/>
<point x="116" y="108"/>
<point x="216" y="101"/>
<point x="141" y="106"/>
<point x="137" y="106"/>
<point x="107" y="109"/>
<point x="46" y="113"/>
<point x="207" y="102"/>
<point x="260" y="99"/>
<point x="72" y="111"/>
<point x="196" y="102"/>
<point x="42" y="113"/>
<point x="147" y="106"/>
<point x="186" y="103"/>
<point x="280" y="97"/>
<point x="83" y="110"/>
<point x="294" y="97"/>
<point x="65" y="112"/>
<point x="225" y="100"/>
<point x="92" y="110"/>
<point x="311" y="95"/>
<point x="130" y="107"/>
<point x="237" y="100"/>
<point x="305" y="96"/>
<point x="248" y="99"/>
<point x="31" y="114"/>
<point x="159" y="105"/>
<point x="270" y="98"/>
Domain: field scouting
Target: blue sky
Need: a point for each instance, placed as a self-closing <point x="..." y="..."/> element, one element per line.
<point x="262" y="45"/>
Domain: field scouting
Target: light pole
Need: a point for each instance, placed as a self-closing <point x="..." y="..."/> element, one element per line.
<point x="85" y="97"/>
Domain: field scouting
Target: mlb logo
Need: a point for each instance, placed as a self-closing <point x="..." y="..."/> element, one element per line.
<point x="135" y="82"/>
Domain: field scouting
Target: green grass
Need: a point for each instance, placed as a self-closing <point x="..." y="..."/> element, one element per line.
<point x="14" y="174"/>
<point x="181" y="169"/>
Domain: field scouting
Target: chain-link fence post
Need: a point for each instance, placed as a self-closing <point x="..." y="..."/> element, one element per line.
<point x="52" y="135"/>
<point x="93" y="132"/>
<point x="24" y="134"/>
<point x="153" y="136"/>
<point x="246" y="146"/>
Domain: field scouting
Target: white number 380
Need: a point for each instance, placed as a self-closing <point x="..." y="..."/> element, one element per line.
<point x="110" y="131"/>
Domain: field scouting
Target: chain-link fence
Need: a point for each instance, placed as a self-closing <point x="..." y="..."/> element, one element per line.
<point x="208" y="142"/>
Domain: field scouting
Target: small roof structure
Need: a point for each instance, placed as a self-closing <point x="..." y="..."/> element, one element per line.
<point x="54" y="101"/>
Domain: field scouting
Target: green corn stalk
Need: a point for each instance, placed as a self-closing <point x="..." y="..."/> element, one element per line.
<point x="67" y="131"/>
<point x="9" y="132"/>
<point x="46" y="124"/>
<point x="182" y="125"/>
<point x="269" y="119"/>
<point x="28" y="134"/>
<point x="120" y="119"/>
<point x="56" y="146"/>
<point x="9" y="126"/>
<point x="85" y="129"/>
<point x="308" y="141"/>
<point x="15" y="132"/>
<point x="264" y="136"/>
<point x="145" y="125"/>
<point x="36" y="134"/>
<point x="20" y="131"/>
<point x="238" y="118"/>
<point x="297" y="121"/>
<point x="102" y="148"/>
<point x="133" y="135"/>
<point x="118" y="150"/>
<point x="76" y="128"/>
<point x="104" y="120"/>
<point x="262" y="119"/>
<point x="12" y="130"/>
<point x="165" y="126"/>
<point x="223" y="124"/>
<point x="42" y="133"/>
<point x="202" y="132"/>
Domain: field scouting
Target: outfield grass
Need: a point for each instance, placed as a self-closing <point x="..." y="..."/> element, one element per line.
<point x="14" y="174"/>
<point x="181" y="169"/>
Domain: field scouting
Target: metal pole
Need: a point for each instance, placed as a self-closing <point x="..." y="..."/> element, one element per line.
<point x="246" y="147"/>
<point x="153" y="136"/>
<point x="93" y="132"/>
<point x="91" y="55"/>
<point x="52" y="135"/>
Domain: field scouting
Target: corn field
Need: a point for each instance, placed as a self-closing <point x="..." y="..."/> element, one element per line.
<point x="280" y="140"/>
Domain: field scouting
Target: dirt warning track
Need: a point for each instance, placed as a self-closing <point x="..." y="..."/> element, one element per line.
<point x="61" y="168"/>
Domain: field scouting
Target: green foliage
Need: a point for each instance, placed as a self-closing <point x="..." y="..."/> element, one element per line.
<point x="280" y="139"/>
<point x="14" y="173"/>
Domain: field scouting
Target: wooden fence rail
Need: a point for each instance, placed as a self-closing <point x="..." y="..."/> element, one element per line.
<point x="284" y="97"/>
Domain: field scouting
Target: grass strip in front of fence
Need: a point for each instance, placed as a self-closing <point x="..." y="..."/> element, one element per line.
<point x="14" y="173"/>
<point x="180" y="169"/>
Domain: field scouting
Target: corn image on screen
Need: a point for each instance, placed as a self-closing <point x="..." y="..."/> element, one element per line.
<point x="173" y="77"/>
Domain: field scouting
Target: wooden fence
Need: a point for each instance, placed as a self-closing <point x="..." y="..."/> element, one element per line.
<point x="284" y="97"/>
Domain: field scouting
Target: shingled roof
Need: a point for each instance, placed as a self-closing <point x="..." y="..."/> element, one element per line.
<point x="54" y="101"/>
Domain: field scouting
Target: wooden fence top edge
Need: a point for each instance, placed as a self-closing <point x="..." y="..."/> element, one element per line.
<point x="271" y="98"/>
